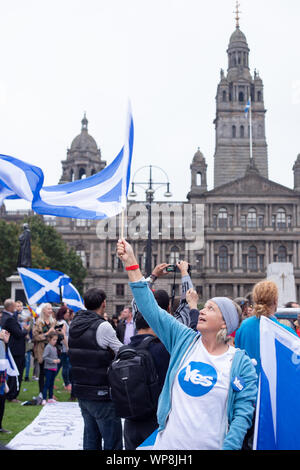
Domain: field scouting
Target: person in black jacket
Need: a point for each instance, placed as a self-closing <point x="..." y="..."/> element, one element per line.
<point x="136" y="431"/>
<point x="92" y="346"/>
<point x="16" y="345"/>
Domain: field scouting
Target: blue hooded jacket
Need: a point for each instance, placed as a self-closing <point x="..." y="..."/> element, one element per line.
<point x="179" y="341"/>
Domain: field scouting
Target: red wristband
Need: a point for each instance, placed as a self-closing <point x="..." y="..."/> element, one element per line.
<point x="132" y="268"/>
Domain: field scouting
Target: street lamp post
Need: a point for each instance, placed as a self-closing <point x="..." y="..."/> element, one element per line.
<point x="149" y="199"/>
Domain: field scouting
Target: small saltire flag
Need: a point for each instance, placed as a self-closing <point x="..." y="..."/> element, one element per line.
<point x="248" y="106"/>
<point x="277" y="424"/>
<point x="42" y="285"/>
<point x="72" y="298"/>
<point x="99" y="196"/>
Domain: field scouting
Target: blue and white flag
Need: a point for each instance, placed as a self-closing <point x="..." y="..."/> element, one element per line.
<point x="277" y="423"/>
<point x="72" y="298"/>
<point x="18" y="179"/>
<point x="248" y="106"/>
<point x="100" y="196"/>
<point x="43" y="285"/>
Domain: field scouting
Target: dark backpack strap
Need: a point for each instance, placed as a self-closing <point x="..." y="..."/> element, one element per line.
<point x="145" y="342"/>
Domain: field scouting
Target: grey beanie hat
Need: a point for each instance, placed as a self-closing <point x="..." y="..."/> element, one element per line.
<point x="229" y="312"/>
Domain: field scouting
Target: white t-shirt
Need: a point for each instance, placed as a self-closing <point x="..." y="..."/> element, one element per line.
<point x="198" y="417"/>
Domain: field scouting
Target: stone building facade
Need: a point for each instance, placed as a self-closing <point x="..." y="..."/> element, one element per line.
<point x="245" y="222"/>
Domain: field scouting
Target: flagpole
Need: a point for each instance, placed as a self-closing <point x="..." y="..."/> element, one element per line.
<point x="251" y="147"/>
<point x="122" y="224"/>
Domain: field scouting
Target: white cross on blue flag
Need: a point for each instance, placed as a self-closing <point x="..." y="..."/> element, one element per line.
<point x="248" y="105"/>
<point x="43" y="285"/>
<point x="277" y="424"/>
<point x="99" y="196"/>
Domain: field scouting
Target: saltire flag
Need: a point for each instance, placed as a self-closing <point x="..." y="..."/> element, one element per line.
<point x="72" y="298"/>
<point x="248" y="106"/>
<point x="149" y="442"/>
<point x="277" y="424"/>
<point x="32" y="312"/>
<point x="42" y="285"/>
<point x="8" y="364"/>
<point x="99" y="196"/>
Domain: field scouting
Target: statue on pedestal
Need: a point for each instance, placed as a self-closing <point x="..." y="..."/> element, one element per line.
<point x="24" y="258"/>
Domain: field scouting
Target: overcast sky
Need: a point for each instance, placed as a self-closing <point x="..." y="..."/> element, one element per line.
<point x="62" y="58"/>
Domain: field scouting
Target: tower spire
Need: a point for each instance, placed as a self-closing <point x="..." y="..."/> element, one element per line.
<point x="237" y="14"/>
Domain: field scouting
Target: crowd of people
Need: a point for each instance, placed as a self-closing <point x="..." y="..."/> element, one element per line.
<point x="206" y="362"/>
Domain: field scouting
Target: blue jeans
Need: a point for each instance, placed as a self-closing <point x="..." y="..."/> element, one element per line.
<point x="27" y="363"/>
<point x="49" y="383"/>
<point x="65" y="365"/>
<point x="100" y="422"/>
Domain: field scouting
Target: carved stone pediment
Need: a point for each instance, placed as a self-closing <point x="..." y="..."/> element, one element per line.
<point x="252" y="184"/>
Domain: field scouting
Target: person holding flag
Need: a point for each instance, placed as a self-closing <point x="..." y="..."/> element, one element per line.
<point x="208" y="398"/>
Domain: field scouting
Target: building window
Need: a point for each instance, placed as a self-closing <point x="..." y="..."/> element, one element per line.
<point x="199" y="263"/>
<point x="174" y="255"/>
<point x="261" y="221"/>
<point x="242" y="132"/>
<point x="243" y="221"/>
<point x="223" y="259"/>
<point x="244" y="263"/>
<point x="233" y="132"/>
<point x="259" y="96"/>
<point x="261" y="262"/>
<point x="82" y="255"/>
<point x="289" y="221"/>
<point x="252" y="258"/>
<point x="223" y="218"/>
<point x="119" y="309"/>
<point x="120" y="290"/>
<point x="282" y="254"/>
<point x="252" y="218"/>
<point x="281" y="219"/>
<point x="224" y="96"/>
<point x="199" y="179"/>
<point x="241" y="97"/>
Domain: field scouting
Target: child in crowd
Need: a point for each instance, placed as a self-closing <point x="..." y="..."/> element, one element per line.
<point x="51" y="360"/>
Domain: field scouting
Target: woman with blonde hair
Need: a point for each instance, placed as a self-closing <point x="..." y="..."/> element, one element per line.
<point x="265" y="300"/>
<point x="43" y="327"/>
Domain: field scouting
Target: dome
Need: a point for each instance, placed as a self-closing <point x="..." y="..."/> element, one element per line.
<point x="84" y="141"/>
<point x="238" y="38"/>
<point x="198" y="157"/>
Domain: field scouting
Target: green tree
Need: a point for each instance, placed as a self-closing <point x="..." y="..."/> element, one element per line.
<point x="49" y="250"/>
<point x="9" y="250"/>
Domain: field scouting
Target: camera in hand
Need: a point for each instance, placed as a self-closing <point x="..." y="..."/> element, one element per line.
<point x="173" y="268"/>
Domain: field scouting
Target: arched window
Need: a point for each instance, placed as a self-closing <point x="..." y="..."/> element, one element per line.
<point x="242" y="132"/>
<point x="241" y="97"/>
<point x="224" y="96"/>
<point x="233" y="132"/>
<point x="174" y="255"/>
<point x="252" y="258"/>
<point x="72" y="176"/>
<point x="259" y="96"/>
<point x="82" y="173"/>
<point x="199" y="179"/>
<point x="252" y="223"/>
<point x="223" y="258"/>
<point x="223" y="218"/>
<point x="281" y="218"/>
<point x="282" y="254"/>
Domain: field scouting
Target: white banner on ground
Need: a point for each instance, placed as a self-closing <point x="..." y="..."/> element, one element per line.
<point x="59" y="426"/>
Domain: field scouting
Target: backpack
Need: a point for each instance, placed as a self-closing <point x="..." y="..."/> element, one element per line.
<point x="133" y="381"/>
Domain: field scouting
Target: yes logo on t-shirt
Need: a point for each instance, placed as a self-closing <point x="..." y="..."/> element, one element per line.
<point x="197" y="378"/>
